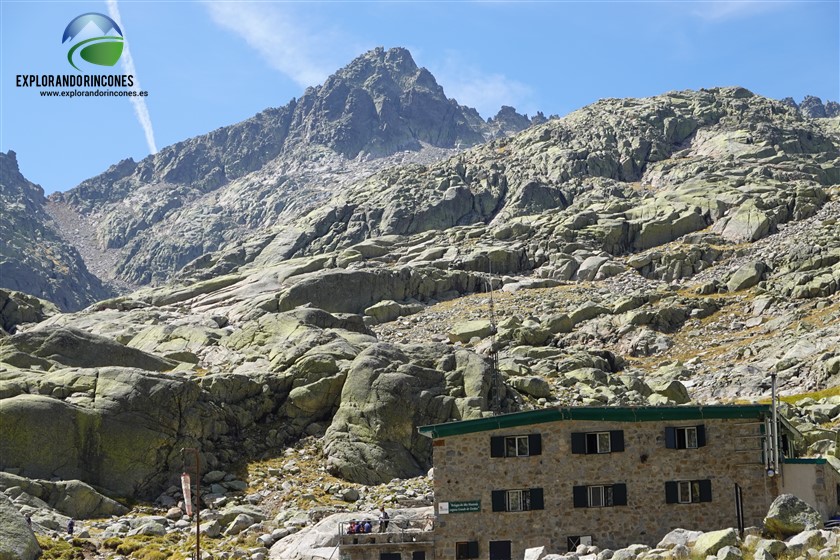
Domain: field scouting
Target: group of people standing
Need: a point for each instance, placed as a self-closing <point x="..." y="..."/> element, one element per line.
<point x="357" y="527"/>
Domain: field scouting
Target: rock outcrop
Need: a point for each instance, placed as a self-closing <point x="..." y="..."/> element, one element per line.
<point x="35" y="257"/>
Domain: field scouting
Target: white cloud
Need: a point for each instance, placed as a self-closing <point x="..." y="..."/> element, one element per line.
<point x="725" y="10"/>
<point x="486" y="92"/>
<point x="305" y="55"/>
<point x="138" y="103"/>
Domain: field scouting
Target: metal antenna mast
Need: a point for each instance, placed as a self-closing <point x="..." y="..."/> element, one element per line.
<point x="496" y="388"/>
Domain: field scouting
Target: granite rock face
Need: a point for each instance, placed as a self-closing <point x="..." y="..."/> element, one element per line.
<point x="35" y="257"/>
<point x="217" y="189"/>
<point x="636" y="252"/>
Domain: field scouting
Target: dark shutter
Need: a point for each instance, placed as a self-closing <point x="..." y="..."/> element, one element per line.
<point x="616" y="441"/>
<point x="472" y="549"/>
<point x="500" y="550"/>
<point x="534" y="444"/>
<point x="580" y="496"/>
<point x="537" y="498"/>
<point x="672" y="495"/>
<point x="701" y="435"/>
<point x="418" y="555"/>
<point x="497" y="446"/>
<point x="498" y="499"/>
<point x="578" y="442"/>
<point x="671" y="438"/>
<point x="619" y="494"/>
<point x="705" y="490"/>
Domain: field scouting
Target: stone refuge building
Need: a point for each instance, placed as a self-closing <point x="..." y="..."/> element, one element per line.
<point x="608" y="476"/>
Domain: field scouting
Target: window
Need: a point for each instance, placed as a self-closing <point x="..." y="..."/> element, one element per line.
<point x="606" y="495"/>
<point x="500" y="550"/>
<point x="516" y="446"/>
<point x="464" y="550"/>
<point x="573" y="542"/>
<point x="688" y="437"/>
<point x="526" y="499"/>
<point x="688" y="491"/>
<point x="418" y="555"/>
<point x="591" y="443"/>
<point x="389" y="556"/>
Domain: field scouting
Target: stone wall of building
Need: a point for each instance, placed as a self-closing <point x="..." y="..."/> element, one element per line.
<point x="815" y="481"/>
<point x="465" y="471"/>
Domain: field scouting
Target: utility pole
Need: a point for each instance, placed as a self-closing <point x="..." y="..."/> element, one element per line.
<point x="195" y="453"/>
<point x="496" y="389"/>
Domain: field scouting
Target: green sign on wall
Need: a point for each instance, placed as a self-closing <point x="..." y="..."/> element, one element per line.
<point x="465" y="507"/>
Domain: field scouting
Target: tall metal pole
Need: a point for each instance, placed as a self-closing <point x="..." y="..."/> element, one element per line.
<point x="775" y="423"/>
<point x="197" y="500"/>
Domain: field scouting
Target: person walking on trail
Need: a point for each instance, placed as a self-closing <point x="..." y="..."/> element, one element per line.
<point x="70" y="525"/>
<point x="383" y="519"/>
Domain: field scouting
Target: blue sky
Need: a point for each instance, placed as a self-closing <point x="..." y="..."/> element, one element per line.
<point x="208" y="64"/>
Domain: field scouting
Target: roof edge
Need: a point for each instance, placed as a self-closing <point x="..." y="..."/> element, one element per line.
<point x="594" y="413"/>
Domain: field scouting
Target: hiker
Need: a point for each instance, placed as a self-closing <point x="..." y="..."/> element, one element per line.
<point x="383" y="519"/>
<point x="70" y="525"/>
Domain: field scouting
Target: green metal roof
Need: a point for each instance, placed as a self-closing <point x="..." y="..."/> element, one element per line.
<point x="805" y="461"/>
<point x="596" y="413"/>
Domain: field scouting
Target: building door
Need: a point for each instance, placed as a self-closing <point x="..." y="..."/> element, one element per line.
<point x="500" y="550"/>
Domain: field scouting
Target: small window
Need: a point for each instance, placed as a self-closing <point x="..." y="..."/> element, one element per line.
<point x="592" y="443"/>
<point x="526" y="499"/>
<point x="516" y="446"/>
<point x="418" y="555"/>
<point x="465" y="550"/>
<point x="600" y="496"/>
<point x="606" y="495"/>
<point x="573" y="542"/>
<point x="598" y="442"/>
<point x="389" y="556"/>
<point x="688" y="491"/>
<point x="687" y="437"/>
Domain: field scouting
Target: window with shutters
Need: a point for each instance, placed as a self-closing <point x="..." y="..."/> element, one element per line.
<point x="600" y="495"/>
<point x="500" y="550"/>
<point x="465" y="550"/>
<point x="591" y="443"/>
<point x="526" y="499"/>
<point x="516" y="446"/>
<point x="686" y="437"/>
<point x="688" y="491"/>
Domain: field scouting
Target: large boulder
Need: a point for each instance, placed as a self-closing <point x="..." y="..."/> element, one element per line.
<point x="746" y="276"/>
<point x="463" y="332"/>
<point x="389" y="391"/>
<point x="17" y="541"/>
<point x="73" y="498"/>
<point x="710" y="543"/>
<point x="788" y="515"/>
<point x="74" y="347"/>
<point x="122" y="431"/>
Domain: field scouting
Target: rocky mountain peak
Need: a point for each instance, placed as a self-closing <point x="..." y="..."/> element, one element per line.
<point x="813" y="107"/>
<point x="381" y="103"/>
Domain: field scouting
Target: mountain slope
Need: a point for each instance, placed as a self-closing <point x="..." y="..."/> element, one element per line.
<point x="153" y="217"/>
<point x="34" y="257"/>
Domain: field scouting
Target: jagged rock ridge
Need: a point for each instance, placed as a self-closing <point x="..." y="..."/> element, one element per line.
<point x="154" y="216"/>
<point x="34" y="256"/>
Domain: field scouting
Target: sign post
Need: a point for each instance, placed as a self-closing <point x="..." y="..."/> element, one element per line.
<point x="185" y="487"/>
